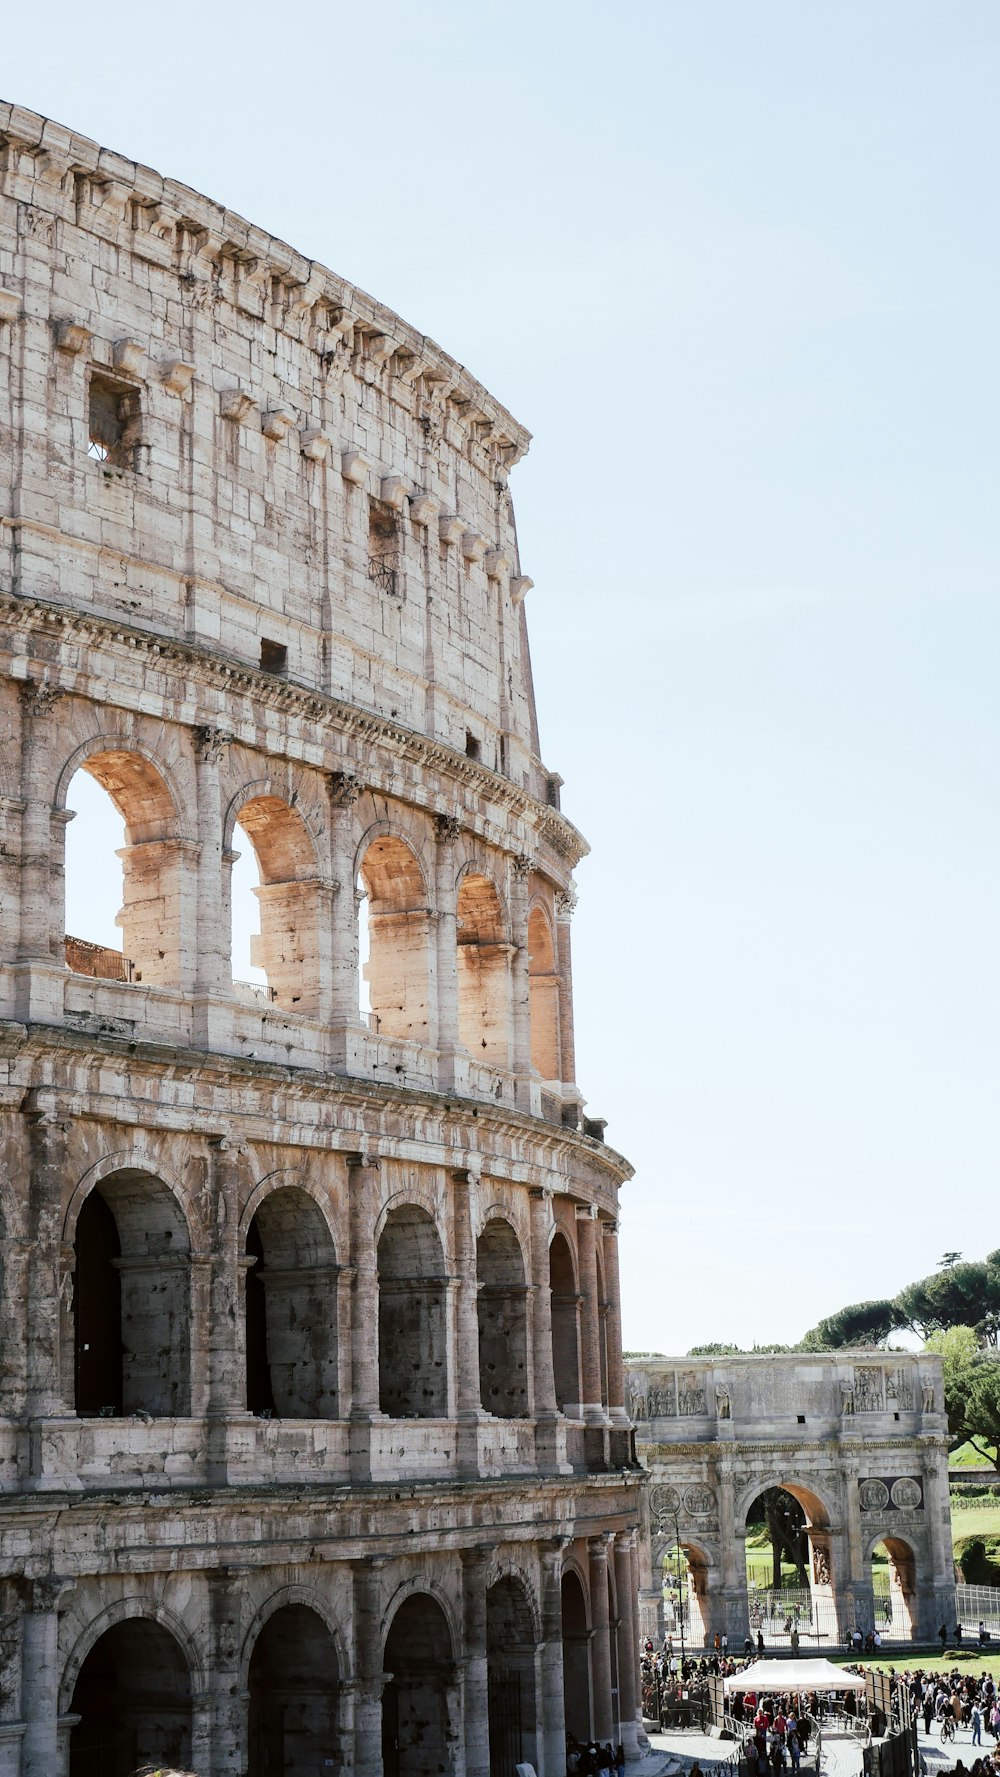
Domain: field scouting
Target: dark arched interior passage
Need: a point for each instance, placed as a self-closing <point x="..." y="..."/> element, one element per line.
<point x="133" y="1697"/>
<point x="132" y="1300"/>
<point x="510" y="1663"/>
<point x="503" y="1332"/>
<point x="576" y="1657"/>
<point x="97" y="1311"/>
<point x="412" y="1371"/>
<point x="565" y="1339"/>
<point x="419" y="1703"/>
<point x="291" y="1309"/>
<point x="294" y="1685"/>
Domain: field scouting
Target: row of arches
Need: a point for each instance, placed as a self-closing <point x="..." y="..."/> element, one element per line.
<point x="131" y="1305"/>
<point x="796" y="1580"/>
<point x="275" y="916"/>
<point x="416" y="1694"/>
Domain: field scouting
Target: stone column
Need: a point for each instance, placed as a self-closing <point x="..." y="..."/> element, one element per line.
<point x="520" y="983"/>
<point x="225" y="1369"/>
<point x="621" y="1440"/>
<point x="369" y="1678"/>
<point x="853" y="1592"/>
<point x="344" y="996"/>
<point x="468" y="1401"/>
<point x="732" y="1548"/>
<point x="48" y="1135"/>
<point x="446" y="916"/>
<point x="590" y="1329"/>
<point x="600" y="1618"/>
<point x="627" y="1604"/>
<point x="362" y="1184"/>
<point x="40" y="1675"/>
<point x="553" y="1702"/>
<point x="564" y="905"/>
<point x="935" y="1595"/>
<point x="549" y="1433"/>
<point x="213" y="969"/>
<point x="636" y="1563"/>
<point x="476" y="1703"/>
<point x="41" y="961"/>
<point x="227" y="1703"/>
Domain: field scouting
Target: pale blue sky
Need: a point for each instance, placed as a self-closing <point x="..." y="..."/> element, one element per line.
<point x="736" y="266"/>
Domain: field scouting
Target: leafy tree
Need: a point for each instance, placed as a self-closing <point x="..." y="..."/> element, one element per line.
<point x="971" y="1390"/>
<point x="962" y="1295"/>
<point x="715" y="1351"/>
<point x="862" y="1323"/>
<point x="785" y="1522"/>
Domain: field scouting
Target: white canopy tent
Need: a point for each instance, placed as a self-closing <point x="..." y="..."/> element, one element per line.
<point x="766" y="1676"/>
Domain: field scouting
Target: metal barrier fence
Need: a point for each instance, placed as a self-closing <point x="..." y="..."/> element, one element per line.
<point x="978" y="1604"/>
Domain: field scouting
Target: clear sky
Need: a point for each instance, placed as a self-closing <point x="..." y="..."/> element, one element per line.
<point x="735" y="263"/>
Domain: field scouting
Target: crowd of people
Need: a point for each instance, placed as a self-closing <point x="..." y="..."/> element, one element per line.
<point x="776" y="1730"/>
<point x="588" y="1758"/>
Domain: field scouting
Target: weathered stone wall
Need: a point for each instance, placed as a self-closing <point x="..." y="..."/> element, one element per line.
<point x="286" y="1478"/>
<point x="859" y="1438"/>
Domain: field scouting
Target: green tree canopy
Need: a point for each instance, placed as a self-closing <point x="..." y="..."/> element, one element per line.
<point x="961" y="1295"/>
<point x="971" y="1390"/>
<point x="862" y="1323"/>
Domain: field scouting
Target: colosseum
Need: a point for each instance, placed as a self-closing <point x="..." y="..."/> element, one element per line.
<point x="314" y="1452"/>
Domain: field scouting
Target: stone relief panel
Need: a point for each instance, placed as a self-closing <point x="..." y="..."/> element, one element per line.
<point x="904" y="1493"/>
<point x="868" y="1396"/>
<point x="690" y="1395"/>
<point x="898" y="1391"/>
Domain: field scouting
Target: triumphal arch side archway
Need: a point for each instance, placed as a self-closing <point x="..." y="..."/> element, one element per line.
<point x="858" y="1438"/>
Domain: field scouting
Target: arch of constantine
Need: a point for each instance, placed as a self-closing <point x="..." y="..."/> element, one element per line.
<point x="858" y="1438"/>
<point x="314" y="1452"/>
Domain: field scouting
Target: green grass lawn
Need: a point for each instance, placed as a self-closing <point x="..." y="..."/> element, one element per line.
<point x="969" y="1520"/>
<point x="966" y="1457"/>
<point x="969" y="1660"/>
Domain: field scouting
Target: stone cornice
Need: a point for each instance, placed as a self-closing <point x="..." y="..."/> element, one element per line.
<point x="553" y="1144"/>
<point x="227" y="674"/>
<point x="40" y="159"/>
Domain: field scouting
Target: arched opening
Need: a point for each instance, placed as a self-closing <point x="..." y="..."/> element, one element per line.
<point x="294" y="1685"/>
<point x="543" y="990"/>
<point x="287" y="948"/>
<point x="894" y="1589"/>
<point x="483" y="972"/>
<point x="131" y="1300"/>
<point x="686" y="1604"/>
<point x="565" y="1328"/>
<point x="510" y="1667"/>
<point x="291" y="1309"/>
<point x="399" y="927"/>
<point x="133" y="1697"/>
<point x="123" y="873"/>
<point x="790" y="1590"/>
<point x="419" y="1705"/>
<point x="503" y="1329"/>
<point x="576" y="1658"/>
<point x="412" y="1324"/>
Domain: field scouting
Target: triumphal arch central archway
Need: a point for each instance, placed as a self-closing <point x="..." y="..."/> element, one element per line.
<point x="857" y="1438"/>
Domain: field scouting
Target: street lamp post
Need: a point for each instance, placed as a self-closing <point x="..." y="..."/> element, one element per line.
<point x="680" y="1601"/>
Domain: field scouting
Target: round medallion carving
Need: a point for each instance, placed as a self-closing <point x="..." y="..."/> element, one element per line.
<point x="873" y="1495"/>
<point x="700" y="1501"/>
<point x="905" y="1493"/>
<point x="664" y="1501"/>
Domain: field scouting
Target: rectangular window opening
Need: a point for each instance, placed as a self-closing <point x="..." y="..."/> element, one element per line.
<point x="273" y="656"/>
<point x="383" y="547"/>
<point x="113" y="414"/>
<point x="472" y="746"/>
<point x="800" y="1418"/>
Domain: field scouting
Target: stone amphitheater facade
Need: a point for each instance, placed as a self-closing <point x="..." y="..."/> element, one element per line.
<point x="314" y="1452"/>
